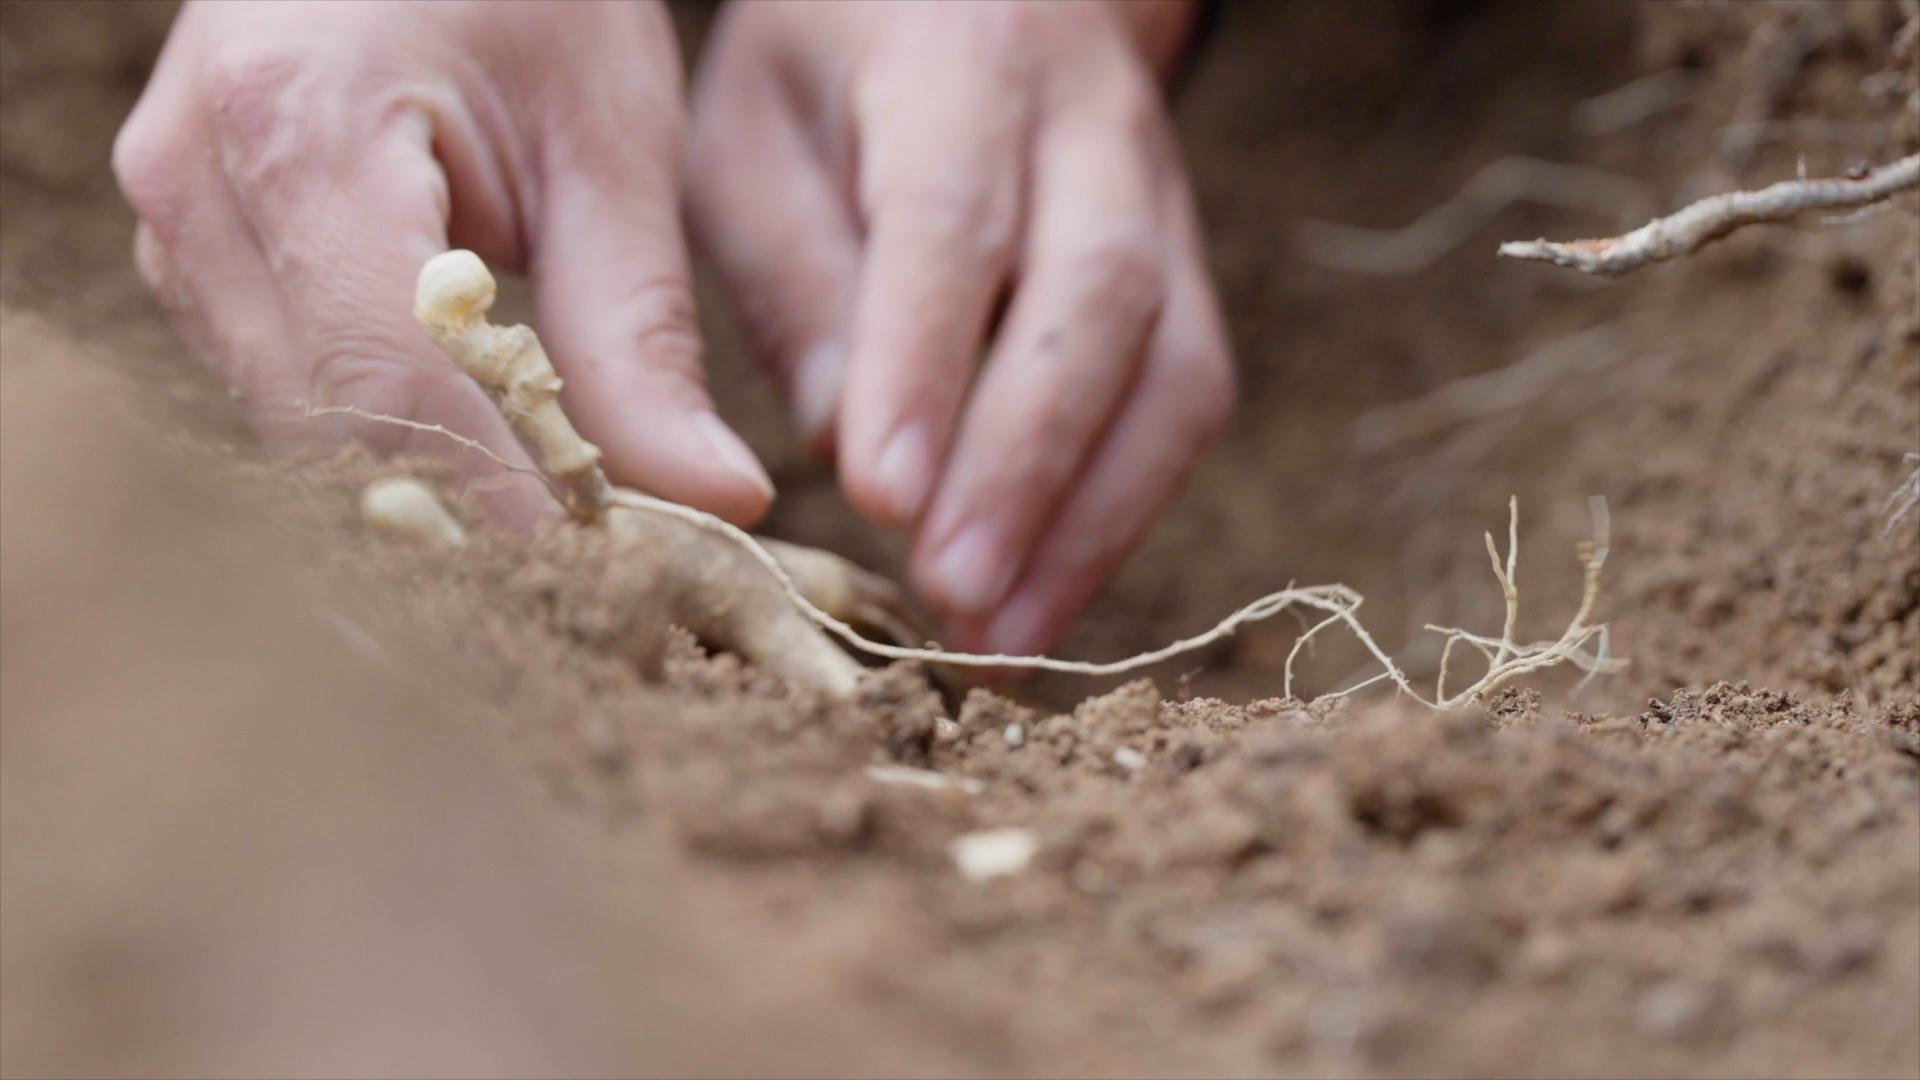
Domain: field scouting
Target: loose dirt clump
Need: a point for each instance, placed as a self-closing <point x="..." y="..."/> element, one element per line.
<point x="451" y="791"/>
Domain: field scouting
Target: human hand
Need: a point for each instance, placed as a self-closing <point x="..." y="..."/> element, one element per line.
<point x="875" y="180"/>
<point x="294" y="164"/>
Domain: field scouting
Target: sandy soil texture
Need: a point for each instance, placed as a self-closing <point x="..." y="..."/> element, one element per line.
<point x="277" y="796"/>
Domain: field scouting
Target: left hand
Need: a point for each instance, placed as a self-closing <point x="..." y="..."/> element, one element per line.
<point x="875" y="180"/>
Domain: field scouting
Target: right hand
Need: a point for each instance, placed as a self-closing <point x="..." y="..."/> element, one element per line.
<point x="293" y="165"/>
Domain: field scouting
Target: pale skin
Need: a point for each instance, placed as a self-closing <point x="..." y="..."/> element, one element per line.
<point x="873" y="180"/>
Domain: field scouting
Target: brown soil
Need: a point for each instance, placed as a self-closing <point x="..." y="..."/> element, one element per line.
<point x="260" y="807"/>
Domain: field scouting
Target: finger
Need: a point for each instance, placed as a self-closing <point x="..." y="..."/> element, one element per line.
<point x="197" y="251"/>
<point x="346" y="216"/>
<point x="616" y="306"/>
<point x="765" y="208"/>
<point x="1180" y="402"/>
<point x="1070" y="348"/>
<point x="239" y="329"/>
<point x="940" y="186"/>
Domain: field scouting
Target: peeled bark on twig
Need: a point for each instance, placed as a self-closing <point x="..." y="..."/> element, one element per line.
<point x="1709" y="219"/>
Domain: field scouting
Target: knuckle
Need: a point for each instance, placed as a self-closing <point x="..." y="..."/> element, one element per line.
<point x="1011" y="24"/>
<point x="1124" y="269"/>
<point x="1033" y="27"/>
<point x="659" y="318"/>
<point x="1139" y="111"/>
<point x="147" y="166"/>
<point x="255" y="102"/>
<point x="971" y="224"/>
<point x="380" y="383"/>
<point x="363" y="366"/>
<point x="250" y="88"/>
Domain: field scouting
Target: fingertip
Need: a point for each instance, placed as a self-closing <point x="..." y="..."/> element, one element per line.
<point x="818" y="378"/>
<point x="1027" y="625"/>
<point x="892" y="484"/>
<point x="967" y="633"/>
<point x="968" y="572"/>
<point x="747" y="494"/>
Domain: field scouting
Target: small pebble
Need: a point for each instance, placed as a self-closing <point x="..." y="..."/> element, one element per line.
<point x="992" y="853"/>
<point x="1130" y="759"/>
<point x="1016" y="735"/>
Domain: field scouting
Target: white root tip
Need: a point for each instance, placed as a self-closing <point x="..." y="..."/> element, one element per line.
<point x="454" y="286"/>
<point x="406" y="509"/>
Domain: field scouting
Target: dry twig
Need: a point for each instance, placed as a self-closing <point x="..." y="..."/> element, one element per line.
<point x="1711" y="218"/>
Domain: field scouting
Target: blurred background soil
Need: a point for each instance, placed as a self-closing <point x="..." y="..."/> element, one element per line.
<point x="270" y="784"/>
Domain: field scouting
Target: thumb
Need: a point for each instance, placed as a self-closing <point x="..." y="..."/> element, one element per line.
<point x="615" y="300"/>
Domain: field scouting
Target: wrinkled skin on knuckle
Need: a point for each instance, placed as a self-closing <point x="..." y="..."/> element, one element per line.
<point x="893" y="175"/>
<point x="622" y="74"/>
<point x="975" y="208"/>
<point x="1123" y="269"/>
<point x="658" y="317"/>
<point x="259" y="98"/>
<point x="371" y="370"/>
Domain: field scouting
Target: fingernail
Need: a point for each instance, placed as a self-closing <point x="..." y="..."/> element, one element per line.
<point x="732" y="453"/>
<point x="816" y="389"/>
<point x="972" y="573"/>
<point x="905" y="470"/>
<point x="1021" y="628"/>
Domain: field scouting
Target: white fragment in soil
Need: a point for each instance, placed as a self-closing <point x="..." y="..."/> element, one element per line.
<point x="406" y="509"/>
<point x="923" y="778"/>
<point x="945" y="731"/>
<point x="1673" y="1010"/>
<point x="1130" y="759"/>
<point x="1016" y="735"/>
<point x="992" y="853"/>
